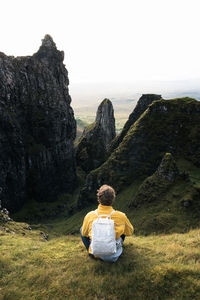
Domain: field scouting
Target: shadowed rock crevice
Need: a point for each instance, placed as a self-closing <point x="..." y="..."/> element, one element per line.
<point x="37" y="127"/>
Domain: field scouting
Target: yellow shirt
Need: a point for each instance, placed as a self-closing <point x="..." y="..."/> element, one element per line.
<point x="122" y="224"/>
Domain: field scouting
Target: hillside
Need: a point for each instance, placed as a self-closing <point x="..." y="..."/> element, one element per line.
<point x="161" y="261"/>
<point x="140" y="108"/>
<point x="165" y="126"/>
<point x="152" y="267"/>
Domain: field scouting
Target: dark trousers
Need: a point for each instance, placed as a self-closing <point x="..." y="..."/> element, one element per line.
<point x="86" y="240"/>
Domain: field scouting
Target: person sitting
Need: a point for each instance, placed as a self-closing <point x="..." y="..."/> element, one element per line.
<point x="106" y="197"/>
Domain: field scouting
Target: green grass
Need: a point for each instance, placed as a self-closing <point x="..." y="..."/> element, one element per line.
<point x="153" y="267"/>
<point x="161" y="261"/>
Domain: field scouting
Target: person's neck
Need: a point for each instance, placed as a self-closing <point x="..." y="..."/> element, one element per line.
<point x="101" y="205"/>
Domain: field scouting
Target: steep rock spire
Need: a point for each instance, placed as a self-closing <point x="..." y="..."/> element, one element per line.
<point x="48" y="52"/>
<point x="106" y="121"/>
<point x="93" y="145"/>
<point x="37" y="127"/>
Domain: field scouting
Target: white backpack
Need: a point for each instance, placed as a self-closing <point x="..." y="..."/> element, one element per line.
<point x="103" y="235"/>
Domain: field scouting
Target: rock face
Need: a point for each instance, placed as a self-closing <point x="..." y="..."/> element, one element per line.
<point x="141" y="106"/>
<point x="92" y="147"/>
<point x="37" y="127"/>
<point x="166" y="126"/>
<point x="155" y="186"/>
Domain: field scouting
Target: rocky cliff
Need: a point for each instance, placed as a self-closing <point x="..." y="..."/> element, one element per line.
<point x="92" y="147"/>
<point x="37" y="127"/>
<point x="166" y="126"/>
<point x="142" y="104"/>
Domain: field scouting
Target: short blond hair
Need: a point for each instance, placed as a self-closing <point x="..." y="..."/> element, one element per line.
<point x="106" y="195"/>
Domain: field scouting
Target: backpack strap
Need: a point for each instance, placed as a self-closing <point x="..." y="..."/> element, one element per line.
<point x="95" y="211"/>
<point x="109" y="216"/>
<point x="111" y="213"/>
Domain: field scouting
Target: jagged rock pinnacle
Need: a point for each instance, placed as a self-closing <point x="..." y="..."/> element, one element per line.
<point x="48" y="52"/>
<point x="94" y="143"/>
<point x="37" y="127"/>
<point x="105" y="119"/>
<point x="47" y="41"/>
<point x="168" y="169"/>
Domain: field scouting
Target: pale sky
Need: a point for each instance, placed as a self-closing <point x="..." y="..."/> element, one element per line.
<point x="109" y="40"/>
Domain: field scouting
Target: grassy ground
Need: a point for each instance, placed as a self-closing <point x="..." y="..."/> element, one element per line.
<point x="153" y="267"/>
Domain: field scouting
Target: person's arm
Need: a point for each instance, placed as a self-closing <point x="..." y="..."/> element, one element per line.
<point x="85" y="227"/>
<point x="128" y="227"/>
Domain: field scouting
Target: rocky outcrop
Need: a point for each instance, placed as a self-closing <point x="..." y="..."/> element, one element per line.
<point x="92" y="147"/>
<point x="37" y="127"/>
<point x="141" y="106"/>
<point x="4" y="213"/>
<point x="155" y="186"/>
<point x="167" y="169"/>
<point x="166" y="126"/>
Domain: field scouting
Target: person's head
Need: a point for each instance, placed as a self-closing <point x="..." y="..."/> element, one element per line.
<point x="106" y="195"/>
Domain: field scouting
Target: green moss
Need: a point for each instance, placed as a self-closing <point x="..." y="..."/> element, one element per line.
<point x="87" y="130"/>
<point x="90" y="127"/>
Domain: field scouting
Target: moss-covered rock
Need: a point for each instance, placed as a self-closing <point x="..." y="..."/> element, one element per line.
<point x="142" y="104"/>
<point x="156" y="185"/>
<point x="92" y="147"/>
<point x="166" y="126"/>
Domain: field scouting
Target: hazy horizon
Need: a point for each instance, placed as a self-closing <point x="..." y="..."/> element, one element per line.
<point x="128" y="46"/>
<point x="90" y="94"/>
<point x="86" y="97"/>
